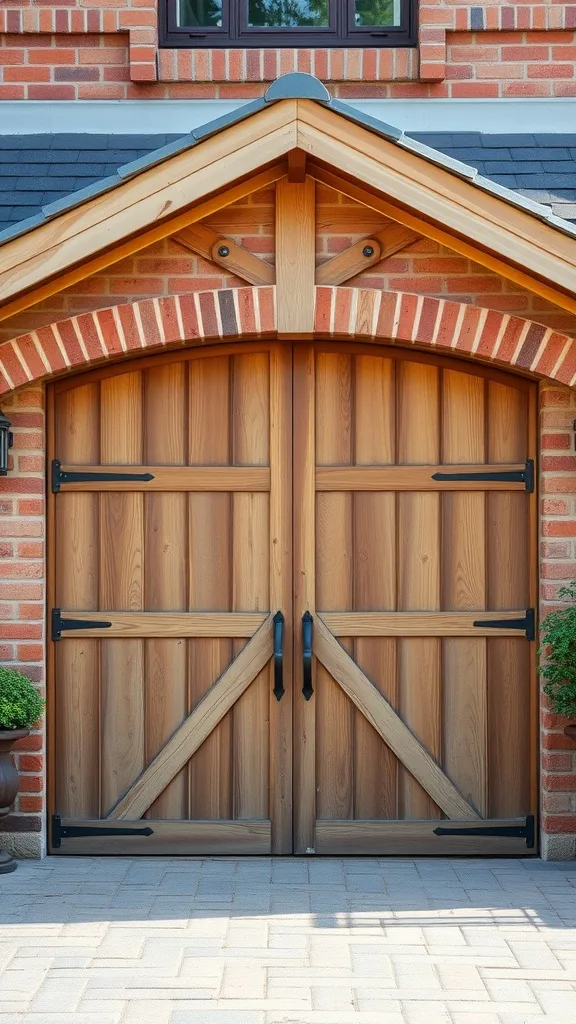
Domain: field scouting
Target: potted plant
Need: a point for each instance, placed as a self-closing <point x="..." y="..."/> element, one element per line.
<point x="20" y="708"/>
<point x="558" y="633"/>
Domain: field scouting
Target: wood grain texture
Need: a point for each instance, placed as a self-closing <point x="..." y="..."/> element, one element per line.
<point x="419" y="570"/>
<point x="77" y="665"/>
<point x="464" y="685"/>
<point x="172" y="839"/>
<point x="413" y="478"/>
<point x="121" y="588"/>
<point x="201" y="239"/>
<point x="251" y="580"/>
<point x="458" y="624"/>
<point x="508" y="582"/>
<point x="295" y="257"/>
<point x="167" y="624"/>
<point x="334" y="584"/>
<point x="374" y="561"/>
<point x="165" y="575"/>
<point x="174" y="478"/>
<point x="350" y="262"/>
<point x="281" y="586"/>
<point x="405" y="838"/>
<point x="199" y="724"/>
<point x="390" y="726"/>
<point x="210" y="579"/>
<point x="304" y="593"/>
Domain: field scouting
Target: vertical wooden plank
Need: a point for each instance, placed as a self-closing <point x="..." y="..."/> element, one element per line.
<point x="251" y="579"/>
<point x="508" y="587"/>
<point x="375" y="766"/>
<point x="121" y="588"/>
<point x="76" y="754"/>
<point x="210" y="770"/>
<point x="533" y="545"/>
<point x="304" y="594"/>
<point x="334" y="711"/>
<point x="419" y="575"/>
<point x="165" y="566"/>
<point x="281" y="592"/>
<point x="295" y="257"/>
<point x="464" y="587"/>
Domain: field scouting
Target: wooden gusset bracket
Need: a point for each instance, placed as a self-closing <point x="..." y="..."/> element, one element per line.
<point x="296" y="166"/>
<point x="365" y="254"/>
<point x="231" y="257"/>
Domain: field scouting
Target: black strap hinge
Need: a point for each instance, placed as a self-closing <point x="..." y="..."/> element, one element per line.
<point x="59" y="624"/>
<point x="526" y="831"/>
<point x="69" y="476"/>
<point x="60" y="831"/>
<point x="528" y="624"/>
<point x="514" y="476"/>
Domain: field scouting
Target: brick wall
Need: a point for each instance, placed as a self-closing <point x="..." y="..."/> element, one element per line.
<point x="558" y="567"/>
<point x="91" y="49"/>
<point x="22" y="601"/>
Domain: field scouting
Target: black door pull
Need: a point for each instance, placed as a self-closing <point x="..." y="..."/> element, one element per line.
<point x="307" y="621"/>
<point x="278" y="690"/>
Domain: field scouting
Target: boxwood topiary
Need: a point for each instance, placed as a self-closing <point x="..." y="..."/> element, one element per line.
<point x="558" y="633"/>
<point x="20" y="703"/>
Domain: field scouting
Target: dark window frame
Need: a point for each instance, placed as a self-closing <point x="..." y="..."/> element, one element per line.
<point x="232" y="35"/>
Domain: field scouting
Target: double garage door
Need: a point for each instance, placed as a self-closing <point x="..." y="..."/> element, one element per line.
<point x="291" y="593"/>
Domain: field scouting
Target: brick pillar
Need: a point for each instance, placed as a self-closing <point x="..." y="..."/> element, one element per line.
<point x="557" y="567"/>
<point x="22" y="604"/>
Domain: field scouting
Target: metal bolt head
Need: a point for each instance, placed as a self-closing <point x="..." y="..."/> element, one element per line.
<point x="368" y="250"/>
<point x="223" y="251"/>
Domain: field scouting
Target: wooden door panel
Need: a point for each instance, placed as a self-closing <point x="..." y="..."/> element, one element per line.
<point x="411" y="568"/>
<point x="172" y="587"/>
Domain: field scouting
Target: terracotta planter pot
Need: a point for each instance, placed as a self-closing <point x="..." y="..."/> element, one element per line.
<point x="8" y="785"/>
<point x="570" y="731"/>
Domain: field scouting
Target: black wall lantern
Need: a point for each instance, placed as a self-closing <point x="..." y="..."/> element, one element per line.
<point x="6" y="442"/>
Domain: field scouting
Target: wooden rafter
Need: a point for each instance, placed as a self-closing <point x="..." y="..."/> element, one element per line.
<point x="439" y="234"/>
<point x="143" y="240"/>
<point x="234" y="259"/>
<point x="365" y="253"/>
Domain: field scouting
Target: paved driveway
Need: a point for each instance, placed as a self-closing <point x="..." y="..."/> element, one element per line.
<point x="261" y="941"/>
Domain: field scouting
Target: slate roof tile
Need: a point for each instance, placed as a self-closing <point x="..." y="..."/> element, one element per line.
<point x="40" y="170"/>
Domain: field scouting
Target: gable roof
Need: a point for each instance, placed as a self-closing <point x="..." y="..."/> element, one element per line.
<point x="155" y="195"/>
<point x="37" y="170"/>
<point x="296" y="85"/>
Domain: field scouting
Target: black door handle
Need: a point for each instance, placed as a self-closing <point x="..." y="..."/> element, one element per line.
<point x="278" y="690"/>
<point x="307" y="621"/>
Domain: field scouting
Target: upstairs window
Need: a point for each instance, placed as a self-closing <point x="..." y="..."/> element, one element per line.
<point x="287" y="23"/>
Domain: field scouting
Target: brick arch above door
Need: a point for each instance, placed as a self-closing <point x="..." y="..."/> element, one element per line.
<point x="116" y="332"/>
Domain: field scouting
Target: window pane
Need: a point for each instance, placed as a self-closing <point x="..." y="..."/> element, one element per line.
<point x="287" y="13"/>
<point x="199" y="13"/>
<point x="376" y="13"/>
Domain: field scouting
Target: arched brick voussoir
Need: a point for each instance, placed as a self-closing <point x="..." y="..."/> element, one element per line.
<point x="455" y="327"/>
<point x="225" y="314"/>
<point x="136" y="327"/>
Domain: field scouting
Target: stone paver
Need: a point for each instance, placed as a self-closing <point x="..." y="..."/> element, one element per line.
<point x="288" y="941"/>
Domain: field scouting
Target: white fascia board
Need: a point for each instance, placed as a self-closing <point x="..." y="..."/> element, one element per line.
<point x="173" y="117"/>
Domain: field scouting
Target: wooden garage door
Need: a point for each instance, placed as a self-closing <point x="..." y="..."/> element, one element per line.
<point x="414" y="583"/>
<point x="171" y="540"/>
<point x="175" y="484"/>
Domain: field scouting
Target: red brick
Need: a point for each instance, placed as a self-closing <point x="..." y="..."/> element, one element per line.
<point x="30" y="784"/>
<point x="557" y="762"/>
<point x="560" y="824"/>
<point x="31" y="803"/>
<point x="560" y="783"/>
<point x="557" y="441"/>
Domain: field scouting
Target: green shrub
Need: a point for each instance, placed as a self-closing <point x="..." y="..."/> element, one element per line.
<point x="20" y="703"/>
<point x="558" y="634"/>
